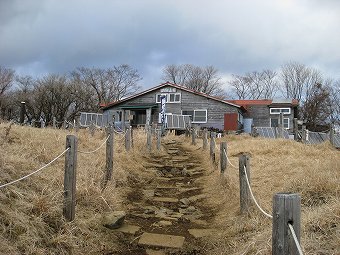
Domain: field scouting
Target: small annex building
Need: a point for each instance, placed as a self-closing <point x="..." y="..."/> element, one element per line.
<point x="266" y="112"/>
<point x="181" y="104"/>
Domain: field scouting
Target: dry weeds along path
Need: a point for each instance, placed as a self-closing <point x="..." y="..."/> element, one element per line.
<point x="169" y="215"/>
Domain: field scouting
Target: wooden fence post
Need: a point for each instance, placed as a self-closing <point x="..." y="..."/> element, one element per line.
<point x="131" y="135"/>
<point x="304" y="134"/>
<point x="331" y="135"/>
<point x="54" y="122"/>
<point x="212" y="146"/>
<point x="286" y="209"/>
<point x="245" y="199"/>
<point x="128" y="139"/>
<point x="109" y="153"/>
<point x="280" y="126"/>
<point x="92" y="128"/>
<point x="193" y="136"/>
<point x="149" y="139"/>
<point x="159" y="137"/>
<point x="295" y="129"/>
<point x="70" y="178"/>
<point x="205" y="139"/>
<point x="223" y="157"/>
<point x="22" y="112"/>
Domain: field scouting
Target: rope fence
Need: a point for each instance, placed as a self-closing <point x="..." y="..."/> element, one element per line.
<point x="36" y="171"/>
<point x="89" y="152"/>
<point x="286" y="206"/>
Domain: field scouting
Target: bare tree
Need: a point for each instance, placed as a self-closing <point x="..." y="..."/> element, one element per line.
<point x="316" y="109"/>
<point x="255" y="85"/>
<point x="297" y="80"/>
<point x="6" y="79"/>
<point x="110" y="84"/>
<point x="334" y="92"/>
<point x="201" y="79"/>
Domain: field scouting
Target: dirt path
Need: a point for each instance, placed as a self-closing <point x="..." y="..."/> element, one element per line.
<point x="169" y="215"/>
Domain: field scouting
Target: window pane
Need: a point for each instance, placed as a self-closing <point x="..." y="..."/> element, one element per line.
<point x="158" y="100"/>
<point x="172" y="98"/>
<point x="275" y="110"/>
<point x="285" y="110"/>
<point x="200" y="116"/>
<point x="190" y="113"/>
<point x="274" y="122"/>
<point x="177" y="98"/>
<point x="286" y="123"/>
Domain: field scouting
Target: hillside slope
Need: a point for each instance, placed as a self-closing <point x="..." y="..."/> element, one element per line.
<point x="31" y="210"/>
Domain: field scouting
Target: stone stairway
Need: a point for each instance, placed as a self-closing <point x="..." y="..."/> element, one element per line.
<point x="170" y="213"/>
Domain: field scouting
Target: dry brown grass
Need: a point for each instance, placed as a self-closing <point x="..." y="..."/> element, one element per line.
<point x="277" y="166"/>
<point x="31" y="210"/>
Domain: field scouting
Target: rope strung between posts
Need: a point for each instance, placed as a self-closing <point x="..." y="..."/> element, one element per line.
<point x="36" y="171"/>
<point x="298" y="246"/>
<point x="225" y="153"/>
<point x="252" y="195"/>
<point x="89" y="152"/>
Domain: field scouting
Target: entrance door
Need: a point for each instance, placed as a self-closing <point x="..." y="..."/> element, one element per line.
<point x="230" y="121"/>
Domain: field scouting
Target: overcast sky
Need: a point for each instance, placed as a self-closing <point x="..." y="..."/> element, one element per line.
<point x="56" y="36"/>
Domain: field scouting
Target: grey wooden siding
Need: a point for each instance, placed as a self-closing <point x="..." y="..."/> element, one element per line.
<point x="189" y="102"/>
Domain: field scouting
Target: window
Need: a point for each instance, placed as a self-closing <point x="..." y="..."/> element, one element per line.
<point x="275" y="122"/>
<point x="170" y="97"/>
<point x="197" y="116"/>
<point x="279" y="110"/>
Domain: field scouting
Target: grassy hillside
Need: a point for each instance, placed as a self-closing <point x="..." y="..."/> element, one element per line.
<point x="31" y="210"/>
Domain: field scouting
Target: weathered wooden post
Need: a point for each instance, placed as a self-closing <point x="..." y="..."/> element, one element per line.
<point x="193" y="136"/>
<point x="109" y="153"/>
<point x="92" y="128"/>
<point x="331" y="135"/>
<point x="70" y="177"/>
<point x="42" y="123"/>
<point x="22" y="112"/>
<point x="304" y="134"/>
<point x="149" y="139"/>
<point x="205" y="139"/>
<point x="131" y="131"/>
<point x="296" y="129"/>
<point x="280" y="126"/>
<point x="54" y="123"/>
<point x="128" y="139"/>
<point x="223" y="157"/>
<point x="212" y="146"/>
<point x="286" y="210"/>
<point x="244" y="174"/>
<point x="159" y="137"/>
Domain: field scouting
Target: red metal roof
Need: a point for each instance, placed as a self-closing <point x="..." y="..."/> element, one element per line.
<point x="251" y="102"/>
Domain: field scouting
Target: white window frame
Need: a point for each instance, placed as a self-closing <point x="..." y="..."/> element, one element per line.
<point x="280" y="110"/>
<point x="282" y="123"/>
<point x="193" y="116"/>
<point x="200" y="110"/>
<point x="167" y="95"/>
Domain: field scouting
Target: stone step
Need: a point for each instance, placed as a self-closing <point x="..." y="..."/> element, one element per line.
<point x="160" y="240"/>
<point x="128" y="229"/>
<point x="197" y="233"/>
<point x="166" y="199"/>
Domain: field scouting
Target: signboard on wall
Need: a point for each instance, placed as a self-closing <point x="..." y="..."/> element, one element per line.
<point x="162" y="113"/>
<point x="163" y="90"/>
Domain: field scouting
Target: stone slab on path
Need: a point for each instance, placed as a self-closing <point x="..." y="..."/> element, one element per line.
<point x="160" y="240"/>
<point x="154" y="252"/>
<point x="166" y="199"/>
<point x="128" y="229"/>
<point x="197" y="233"/>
